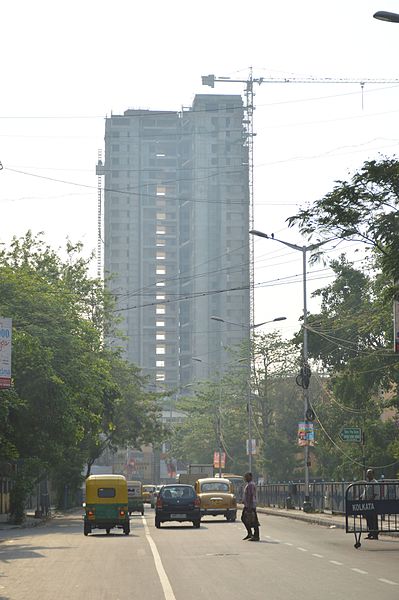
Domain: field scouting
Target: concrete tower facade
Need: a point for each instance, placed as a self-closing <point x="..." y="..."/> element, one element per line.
<point x="176" y="248"/>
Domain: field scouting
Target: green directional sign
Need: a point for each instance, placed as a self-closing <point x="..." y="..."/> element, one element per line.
<point x="351" y="434"/>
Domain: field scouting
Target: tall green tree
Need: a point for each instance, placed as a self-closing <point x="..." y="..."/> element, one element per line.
<point x="349" y="340"/>
<point x="277" y="406"/>
<point x="71" y="395"/>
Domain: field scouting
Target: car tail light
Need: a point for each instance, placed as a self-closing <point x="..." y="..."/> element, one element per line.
<point x="159" y="502"/>
<point x="90" y="513"/>
<point x="122" y="513"/>
<point x="197" y="502"/>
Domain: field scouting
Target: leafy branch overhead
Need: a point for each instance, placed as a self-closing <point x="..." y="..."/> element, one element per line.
<point x="364" y="209"/>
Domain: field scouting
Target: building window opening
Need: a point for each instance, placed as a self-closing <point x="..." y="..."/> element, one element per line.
<point x="161" y="190"/>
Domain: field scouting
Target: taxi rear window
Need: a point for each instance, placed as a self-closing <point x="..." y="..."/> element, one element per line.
<point x="106" y="492"/>
<point x="215" y="486"/>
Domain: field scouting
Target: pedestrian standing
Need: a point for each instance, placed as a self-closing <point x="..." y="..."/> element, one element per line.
<point x="371" y="492"/>
<point x="249" y="516"/>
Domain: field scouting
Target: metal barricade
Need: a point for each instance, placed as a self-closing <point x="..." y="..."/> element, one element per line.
<point x="372" y="508"/>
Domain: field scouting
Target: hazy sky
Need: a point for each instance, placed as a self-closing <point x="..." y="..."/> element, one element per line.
<point x="64" y="66"/>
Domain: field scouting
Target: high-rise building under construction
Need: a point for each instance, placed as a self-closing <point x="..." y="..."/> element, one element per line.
<point x="176" y="248"/>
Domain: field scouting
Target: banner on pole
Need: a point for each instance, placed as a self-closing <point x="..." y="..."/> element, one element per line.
<point x="251" y="447"/>
<point x="5" y="352"/>
<point x="216" y="456"/>
<point x="305" y="434"/>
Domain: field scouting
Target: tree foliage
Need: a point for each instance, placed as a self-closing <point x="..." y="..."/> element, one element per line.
<point x="351" y="337"/>
<point x="276" y="410"/>
<point x="72" y="396"/>
<point x="364" y="209"/>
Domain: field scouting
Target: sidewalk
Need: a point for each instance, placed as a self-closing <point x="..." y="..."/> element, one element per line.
<point x="324" y="519"/>
<point x="30" y="521"/>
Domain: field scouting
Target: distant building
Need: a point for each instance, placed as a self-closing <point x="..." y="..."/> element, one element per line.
<point x="176" y="213"/>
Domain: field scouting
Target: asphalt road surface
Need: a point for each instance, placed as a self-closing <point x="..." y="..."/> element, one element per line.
<point x="293" y="560"/>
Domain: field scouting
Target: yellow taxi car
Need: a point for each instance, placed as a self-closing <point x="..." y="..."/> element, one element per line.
<point x="148" y="491"/>
<point x="217" y="498"/>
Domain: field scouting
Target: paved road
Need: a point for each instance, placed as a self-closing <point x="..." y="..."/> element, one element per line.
<point x="294" y="559"/>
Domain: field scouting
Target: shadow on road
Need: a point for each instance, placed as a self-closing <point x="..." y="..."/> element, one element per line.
<point x="23" y="551"/>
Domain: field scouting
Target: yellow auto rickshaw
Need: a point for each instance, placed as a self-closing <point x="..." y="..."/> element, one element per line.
<point x="106" y="503"/>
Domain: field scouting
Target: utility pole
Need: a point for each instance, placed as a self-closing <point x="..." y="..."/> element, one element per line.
<point x="304" y="376"/>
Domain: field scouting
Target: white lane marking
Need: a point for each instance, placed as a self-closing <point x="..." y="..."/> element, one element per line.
<point x="336" y="562"/>
<point x="301" y="549"/>
<point x="318" y="555"/>
<point x="276" y="540"/>
<point x="388" y="581"/>
<point x="360" y="571"/>
<point x="268" y="537"/>
<point x="288" y="544"/>
<point x="163" y="578"/>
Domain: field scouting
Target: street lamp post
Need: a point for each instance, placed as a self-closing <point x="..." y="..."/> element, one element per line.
<point x="305" y="370"/>
<point x="249" y="403"/>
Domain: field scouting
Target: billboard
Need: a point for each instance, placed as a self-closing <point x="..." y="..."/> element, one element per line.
<point x="5" y="352"/>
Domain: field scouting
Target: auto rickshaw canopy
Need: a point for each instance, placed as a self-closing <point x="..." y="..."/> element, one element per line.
<point x="106" y="489"/>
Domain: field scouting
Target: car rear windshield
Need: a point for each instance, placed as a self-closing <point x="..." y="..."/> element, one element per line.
<point x="178" y="492"/>
<point x="215" y="486"/>
<point x="106" y="492"/>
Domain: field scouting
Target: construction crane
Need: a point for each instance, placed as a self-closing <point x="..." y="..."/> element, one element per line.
<point x="249" y="108"/>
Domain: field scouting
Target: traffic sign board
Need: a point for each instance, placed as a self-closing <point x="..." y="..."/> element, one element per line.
<point x="351" y="434"/>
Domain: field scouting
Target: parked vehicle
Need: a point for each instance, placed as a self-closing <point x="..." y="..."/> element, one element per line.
<point x="106" y="504"/>
<point x="217" y="498"/>
<point x="135" y="497"/>
<point x="179" y="503"/>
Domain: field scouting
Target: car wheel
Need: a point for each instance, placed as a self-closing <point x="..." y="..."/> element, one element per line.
<point x="126" y="529"/>
<point x="86" y="529"/>
<point x="142" y="513"/>
<point x="197" y="524"/>
<point x="107" y="530"/>
<point x="157" y="523"/>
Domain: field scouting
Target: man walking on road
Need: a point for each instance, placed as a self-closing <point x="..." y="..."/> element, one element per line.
<point x="249" y="516"/>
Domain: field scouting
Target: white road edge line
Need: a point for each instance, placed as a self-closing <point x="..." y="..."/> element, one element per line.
<point x="163" y="578"/>
<point x="388" y="581"/>
<point x="318" y="555"/>
<point x="336" y="562"/>
<point x="288" y="544"/>
<point x="301" y="549"/>
<point x="360" y="571"/>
